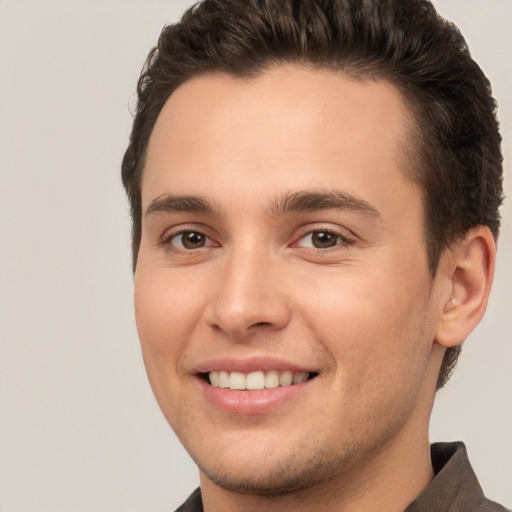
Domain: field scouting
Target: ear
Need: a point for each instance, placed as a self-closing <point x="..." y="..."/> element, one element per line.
<point x="468" y="271"/>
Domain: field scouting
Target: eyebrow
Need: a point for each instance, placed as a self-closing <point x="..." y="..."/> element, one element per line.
<point x="321" y="200"/>
<point x="169" y="203"/>
<point x="302" y="201"/>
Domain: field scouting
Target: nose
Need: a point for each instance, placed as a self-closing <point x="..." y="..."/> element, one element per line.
<point x="249" y="296"/>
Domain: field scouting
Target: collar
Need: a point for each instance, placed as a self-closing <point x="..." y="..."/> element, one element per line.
<point x="455" y="487"/>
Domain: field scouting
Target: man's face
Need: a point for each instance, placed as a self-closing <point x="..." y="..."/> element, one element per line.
<point x="282" y="241"/>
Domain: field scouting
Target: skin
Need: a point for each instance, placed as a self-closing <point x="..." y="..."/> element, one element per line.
<point x="363" y="314"/>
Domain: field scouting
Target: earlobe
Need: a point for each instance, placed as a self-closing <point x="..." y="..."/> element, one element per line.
<point x="469" y="269"/>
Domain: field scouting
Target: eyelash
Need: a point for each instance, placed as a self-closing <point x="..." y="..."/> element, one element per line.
<point x="340" y="240"/>
<point x="167" y="239"/>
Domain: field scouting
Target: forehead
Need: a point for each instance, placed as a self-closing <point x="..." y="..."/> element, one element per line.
<point x="291" y="127"/>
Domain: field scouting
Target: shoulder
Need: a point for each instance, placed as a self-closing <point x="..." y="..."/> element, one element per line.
<point x="193" y="503"/>
<point x="455" y="487"/>
<point x="491" y="506"/>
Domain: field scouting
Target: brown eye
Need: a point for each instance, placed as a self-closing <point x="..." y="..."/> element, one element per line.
<point x="192" y="240"/>
<point x="324" y="239"/>
<point x="189" y="240"/>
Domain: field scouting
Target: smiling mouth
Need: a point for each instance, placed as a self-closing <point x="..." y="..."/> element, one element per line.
<point x="256" y="380"/>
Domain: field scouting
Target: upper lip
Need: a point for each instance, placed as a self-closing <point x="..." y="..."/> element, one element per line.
<point x="251" y="364"/>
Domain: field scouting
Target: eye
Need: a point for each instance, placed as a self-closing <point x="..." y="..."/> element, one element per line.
<point x="189" y="240"/>
<point x="322" y="239"/>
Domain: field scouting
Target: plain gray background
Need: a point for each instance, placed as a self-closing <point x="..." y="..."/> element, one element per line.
<point x="79" y="427"/>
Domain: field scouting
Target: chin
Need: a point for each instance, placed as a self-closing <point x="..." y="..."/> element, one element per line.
<point x="273" y="483"/>
<point x="283" y="476"/>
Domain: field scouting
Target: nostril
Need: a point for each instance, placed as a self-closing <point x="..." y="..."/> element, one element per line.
<point x="258" y="324"/>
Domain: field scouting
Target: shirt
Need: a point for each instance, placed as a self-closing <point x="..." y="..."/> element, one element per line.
<point x="454" y="488"/>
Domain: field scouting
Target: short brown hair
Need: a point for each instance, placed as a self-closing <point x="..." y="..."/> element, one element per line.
<point x="456" y="140"/>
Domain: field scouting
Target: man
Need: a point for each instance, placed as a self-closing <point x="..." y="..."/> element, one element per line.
<point x="314" y="189"/>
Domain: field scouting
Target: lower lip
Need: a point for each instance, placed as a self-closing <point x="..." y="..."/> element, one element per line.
<point x="259" y="401"/>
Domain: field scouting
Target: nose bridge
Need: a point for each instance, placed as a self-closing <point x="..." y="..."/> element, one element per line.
<point x="248" y="294"/>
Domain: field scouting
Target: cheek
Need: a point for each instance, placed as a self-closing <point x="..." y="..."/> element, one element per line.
<point x="165" y="316"/>
<point x="165" y="312"/>
<point x="375" y="327"/>
<point x="380" y="343"/>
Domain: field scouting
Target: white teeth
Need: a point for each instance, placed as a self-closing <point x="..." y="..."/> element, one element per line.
<point x="223" y="380"/>
<point x="272" y="379"/>
<point x="300" y="377"/>
<point x="256" y="380"/>
<point x="214" y="379"/>
<point x="236" y="380"/>
<point x="286" y="379"/>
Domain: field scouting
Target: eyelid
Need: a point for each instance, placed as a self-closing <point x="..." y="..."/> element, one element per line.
<point x="346" y="237"/>
<point x="175" y="231"/>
